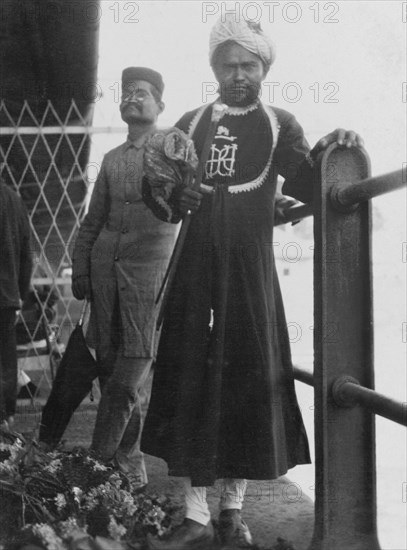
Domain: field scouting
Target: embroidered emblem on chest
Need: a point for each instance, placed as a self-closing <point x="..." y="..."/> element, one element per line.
<point x="221" y="161"/>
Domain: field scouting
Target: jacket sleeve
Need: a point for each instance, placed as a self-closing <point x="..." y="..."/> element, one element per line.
<point x="293" y="158"/>
<point x="92" y="224"/>
<point x="26" y="263"/>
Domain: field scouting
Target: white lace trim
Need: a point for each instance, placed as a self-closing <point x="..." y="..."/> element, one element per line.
<point x="233" y="111"/>
<point x="240" y="111"/>
<point x="194" y="122"/>
<point x="258" y="182"/>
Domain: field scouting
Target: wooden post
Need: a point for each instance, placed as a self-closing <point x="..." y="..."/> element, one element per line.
<point x="345" y="470"/>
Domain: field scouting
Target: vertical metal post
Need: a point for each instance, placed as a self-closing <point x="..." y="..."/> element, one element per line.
<point x="345" y="507"/>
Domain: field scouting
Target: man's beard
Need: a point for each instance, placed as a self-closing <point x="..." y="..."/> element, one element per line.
<point x="239" y="95"/>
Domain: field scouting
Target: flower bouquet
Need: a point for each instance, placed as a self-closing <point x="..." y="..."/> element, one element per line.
<point x="56" y="499"/>
<point x="170" y="162"/>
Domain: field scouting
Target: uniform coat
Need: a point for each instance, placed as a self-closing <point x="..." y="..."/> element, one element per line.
<point x="124" y="249"/>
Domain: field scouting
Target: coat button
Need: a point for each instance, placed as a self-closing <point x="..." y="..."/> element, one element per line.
<point x="127" y="202"/>
<point x="116" y="258"/>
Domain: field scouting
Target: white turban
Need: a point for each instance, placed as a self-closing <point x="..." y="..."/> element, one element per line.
<point x="246" y="33"/>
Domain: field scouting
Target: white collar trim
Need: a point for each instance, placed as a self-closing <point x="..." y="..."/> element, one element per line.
<point x="240" y="111"/>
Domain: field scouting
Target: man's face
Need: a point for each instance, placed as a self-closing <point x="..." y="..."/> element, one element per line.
<point x="239" y="73"/>
<point x="138" y="104"/>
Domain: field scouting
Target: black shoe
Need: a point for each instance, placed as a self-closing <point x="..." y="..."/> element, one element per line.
<point x="190" y="535"/>
<point x="233" y="530"/>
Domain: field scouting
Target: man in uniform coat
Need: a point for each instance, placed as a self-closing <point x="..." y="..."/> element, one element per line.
<point x="119" y="260"/>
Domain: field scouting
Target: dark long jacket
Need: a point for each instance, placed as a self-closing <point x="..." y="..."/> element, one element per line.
<point x="223" y="403"/>
<point x="15" y="249"/>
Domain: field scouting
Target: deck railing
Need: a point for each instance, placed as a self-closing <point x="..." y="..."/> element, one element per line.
<point x="343" y="377"/>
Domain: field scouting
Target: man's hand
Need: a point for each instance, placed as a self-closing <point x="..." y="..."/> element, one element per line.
<point x="281" y="205"/>
<point x="348" y="138"/>
<point x="81" y="287"/>
<point x="189" y="200"/>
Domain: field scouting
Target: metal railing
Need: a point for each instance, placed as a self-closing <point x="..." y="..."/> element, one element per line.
<point x="347" y="392"/>
<point x="343" y="377"/>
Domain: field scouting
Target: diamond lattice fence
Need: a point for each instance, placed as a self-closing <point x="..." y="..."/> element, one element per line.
<point x="44" y="158"/>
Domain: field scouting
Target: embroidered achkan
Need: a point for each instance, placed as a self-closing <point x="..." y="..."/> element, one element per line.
<point x="223" y="402"/>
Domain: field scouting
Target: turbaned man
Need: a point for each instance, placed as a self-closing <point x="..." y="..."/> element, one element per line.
<point x="223" y="403"/>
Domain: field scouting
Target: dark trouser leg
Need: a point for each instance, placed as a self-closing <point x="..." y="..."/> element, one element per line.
<point x="8" y="363"/>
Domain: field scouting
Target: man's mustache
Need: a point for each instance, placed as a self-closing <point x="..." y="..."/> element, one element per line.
<point x="138" y="103"/>
<point x="240" y="88"/>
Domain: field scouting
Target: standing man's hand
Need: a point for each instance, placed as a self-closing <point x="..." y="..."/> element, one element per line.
<point x="189" y="200"/>
<point x="281" y="205"/>
<point x="81" y="287"/>
<point x="347" y="138"/>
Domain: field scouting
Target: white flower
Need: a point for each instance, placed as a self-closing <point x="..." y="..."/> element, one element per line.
<point x="116" y="531"/>
<point x="9" y="466"/>
<point x="60" y="501"/>
<point x="12" y="449"/>
<point x="53" y="466"/>
<point x="128" y="503"/>
<point x="97" y="466"/>
<point x="90" y="500"/>
<point x="115" y="481"/>
<point x="70" y="527"/>
<point x="77" y="493"/>
<point x="48" y="536"/>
